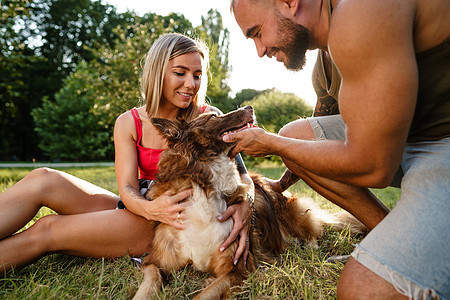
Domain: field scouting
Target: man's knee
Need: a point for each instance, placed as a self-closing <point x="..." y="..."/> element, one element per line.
<point x="298" y="129"/>
<point x="347" y="281"/>
<point x="358" y="282"/>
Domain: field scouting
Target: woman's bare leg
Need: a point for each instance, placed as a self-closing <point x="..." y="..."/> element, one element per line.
<point x="57" y="190"/>
<point x="359" y="201"/>
<point x="108" y="233"/>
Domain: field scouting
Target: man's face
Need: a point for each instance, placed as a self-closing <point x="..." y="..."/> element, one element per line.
<point x="274" y="35"/>
<point x="294" y="39"/>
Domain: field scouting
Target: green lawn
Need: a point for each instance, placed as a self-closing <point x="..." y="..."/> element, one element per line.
<point x="300" y="273"/>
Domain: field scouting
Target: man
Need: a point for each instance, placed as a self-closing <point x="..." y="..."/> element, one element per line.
<point x="387" y="62"/>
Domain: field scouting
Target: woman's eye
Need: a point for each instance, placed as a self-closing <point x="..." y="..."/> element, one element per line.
<point x="179" y="74"/>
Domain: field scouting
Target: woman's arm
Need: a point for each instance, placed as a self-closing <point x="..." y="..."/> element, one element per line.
<point x="163" y="209"/>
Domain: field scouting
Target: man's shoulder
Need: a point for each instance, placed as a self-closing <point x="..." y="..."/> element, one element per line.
<point x="420" y="20"/>
<point x="362" y="26"/>
<point x="358" y="13"/>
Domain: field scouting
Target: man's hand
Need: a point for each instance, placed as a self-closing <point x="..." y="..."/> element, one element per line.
<point x="240" y="213"/>
<point x="275" y="185"/>
<point x="249" y="141"/>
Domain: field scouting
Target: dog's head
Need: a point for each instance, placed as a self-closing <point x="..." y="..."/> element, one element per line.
<point x="201" y="138"/>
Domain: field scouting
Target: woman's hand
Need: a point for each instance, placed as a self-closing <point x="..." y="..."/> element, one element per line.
<point x="241" y="214"/>
<point x="167" y="209"/>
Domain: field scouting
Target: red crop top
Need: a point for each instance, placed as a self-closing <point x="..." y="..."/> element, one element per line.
<point x="148" y="158"/>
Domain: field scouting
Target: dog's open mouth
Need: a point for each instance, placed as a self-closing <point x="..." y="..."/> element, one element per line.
<point x="237" y="129"/>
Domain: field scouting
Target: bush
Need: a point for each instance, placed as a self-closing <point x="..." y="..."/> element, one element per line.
<point x="274" y="109"/>
<point x="68" y="128"/>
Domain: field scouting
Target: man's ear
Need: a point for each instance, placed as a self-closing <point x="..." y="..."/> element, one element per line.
<point x="288" y="7"/>
<point x="169" y="129"/>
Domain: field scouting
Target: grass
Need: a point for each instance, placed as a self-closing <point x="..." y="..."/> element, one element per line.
<point x="300" y="273"/>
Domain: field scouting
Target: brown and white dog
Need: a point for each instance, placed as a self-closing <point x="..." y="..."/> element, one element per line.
<point x="197" y="158"/>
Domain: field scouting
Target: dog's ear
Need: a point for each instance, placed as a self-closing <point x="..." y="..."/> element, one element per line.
<point x="169" y="129"/>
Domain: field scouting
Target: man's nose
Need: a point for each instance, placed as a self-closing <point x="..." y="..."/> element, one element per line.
<point x="260" y="48"/>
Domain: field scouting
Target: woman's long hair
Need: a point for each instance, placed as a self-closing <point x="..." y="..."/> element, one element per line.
<point x="165" y="48"/>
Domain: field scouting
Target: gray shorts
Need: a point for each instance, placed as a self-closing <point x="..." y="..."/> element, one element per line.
<point x="410" y="247"/>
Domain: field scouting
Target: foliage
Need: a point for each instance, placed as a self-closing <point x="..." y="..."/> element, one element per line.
<point x="218" y="39"/>
<point x="41" y="42"/>
<point x="82" y="116"/>
<point x="16" y="61"/>
<point x="119" y="67"/>
<point x="67" y="128"/>
<point x="110" y="84"/>
<point x="68" y="30"/>
<point x="274" y="109"/>
<point x="245" y="95"/>
<point x="300" y="273"/>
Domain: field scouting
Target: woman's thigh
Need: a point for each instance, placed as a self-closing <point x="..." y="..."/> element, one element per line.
<point x="62" y="192"/>
<point x="67" y="194"/>
<point x="109" y="233"/>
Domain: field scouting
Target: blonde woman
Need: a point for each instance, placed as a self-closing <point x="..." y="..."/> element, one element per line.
<point x="93" y="222"/>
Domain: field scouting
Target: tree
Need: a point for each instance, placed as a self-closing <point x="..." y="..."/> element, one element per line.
<point x="41" y="43"/>
<point x="217" y="37"/>
<point x="274" y="109"/>
<point x="98" y="91"/>
<point x="68" y="129"/>
<point x="245" y="95"/>
<point x="17" y="66"/>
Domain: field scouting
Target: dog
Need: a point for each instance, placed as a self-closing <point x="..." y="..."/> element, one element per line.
<point x="197" y="158"/>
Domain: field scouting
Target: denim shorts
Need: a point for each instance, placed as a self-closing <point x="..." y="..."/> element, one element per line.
<point x="410" y="248"/>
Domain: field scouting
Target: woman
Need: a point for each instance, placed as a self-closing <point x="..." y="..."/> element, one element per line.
<point x="87" y="223"/>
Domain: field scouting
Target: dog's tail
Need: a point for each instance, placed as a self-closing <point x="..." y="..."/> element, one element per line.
<point x="279" y="215"/>
<point x="313" y="219"/>
<point x="342" y="220"/>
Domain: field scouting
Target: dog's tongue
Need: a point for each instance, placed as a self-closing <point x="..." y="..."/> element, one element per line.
<point x="249" y="125"/>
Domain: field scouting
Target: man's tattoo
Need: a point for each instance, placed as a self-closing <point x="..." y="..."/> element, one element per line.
<point x="326" y="105"/>
<point x="288" y="179"/>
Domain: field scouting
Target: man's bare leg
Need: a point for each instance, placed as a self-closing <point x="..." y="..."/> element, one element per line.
<point x="358" y="282"/>
<point x="359" y="201"/>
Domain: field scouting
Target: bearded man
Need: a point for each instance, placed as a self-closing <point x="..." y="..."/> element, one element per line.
<point x="383" y="118"/>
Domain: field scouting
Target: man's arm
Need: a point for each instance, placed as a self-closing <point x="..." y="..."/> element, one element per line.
<point x="373" y="49"/>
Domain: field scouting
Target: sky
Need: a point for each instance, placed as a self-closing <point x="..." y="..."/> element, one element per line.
<point x="247" y="69"/>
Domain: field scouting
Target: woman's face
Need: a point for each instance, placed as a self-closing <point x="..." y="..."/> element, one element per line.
<point x="182" y="80"/>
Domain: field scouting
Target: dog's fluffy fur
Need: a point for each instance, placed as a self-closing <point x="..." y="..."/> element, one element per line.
<point x="197" y="158"/>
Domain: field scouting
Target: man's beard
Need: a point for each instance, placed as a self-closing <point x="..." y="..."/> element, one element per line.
<point x="295" y="41"/>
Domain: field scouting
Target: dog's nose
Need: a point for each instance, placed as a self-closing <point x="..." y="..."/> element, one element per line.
<point x="249" y="107"/>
